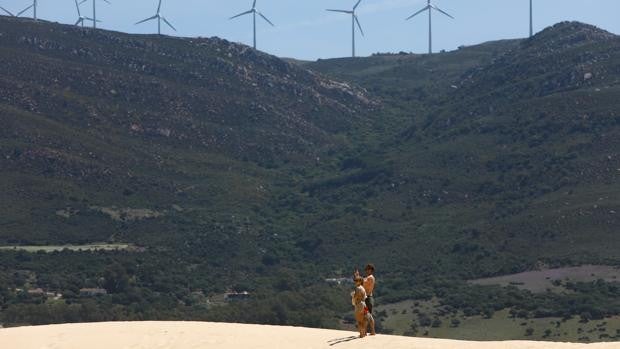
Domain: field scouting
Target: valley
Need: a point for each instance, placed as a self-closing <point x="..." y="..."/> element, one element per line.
<point x="231" y="170"/>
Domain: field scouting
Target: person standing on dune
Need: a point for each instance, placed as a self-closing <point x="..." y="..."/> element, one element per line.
<point x="361" y="311"/>
<point x="369" y="287"/>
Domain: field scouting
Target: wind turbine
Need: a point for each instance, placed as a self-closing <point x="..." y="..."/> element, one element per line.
<point x="429" y="7"/>
<point x="354" y="20"/>
<point x="95" y="13"/>
<point x="7" y="11"/>
<point x="159" y="18"/>
<point x="81" y="18"/>
<point x="33" y="7"/>
<point x="531" y="19"/>
<point x="254" y="12"/>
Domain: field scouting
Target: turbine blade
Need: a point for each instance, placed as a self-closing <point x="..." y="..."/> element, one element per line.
<point x="77" y="6"/>
<point x="79" y="21"/>
<point x="90" y="19"/>
<point x="168" y="23"/>
<point x="265" y="18"/>
<point x="108" y="2"/>
<point x="356" y="5"/>
<point x="83" y="1"/>
<point x="241" y="14"/>
<point x="442" y="11"/>
<point x="359" y="25"/>
<point x="342" y="11"/>
<point x="254" y="5"/>
<point x="146" y="20"/>
<point x="24" y="10"/>
<point x="159" y="6"/>
<point x="7" y="11"/>
<point x="417" y="13"/>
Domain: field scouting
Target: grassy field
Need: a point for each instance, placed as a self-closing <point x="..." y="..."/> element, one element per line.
<point x="401" y="316"/>
<point x="543" y="280"/>
<point x="86" y="247"/>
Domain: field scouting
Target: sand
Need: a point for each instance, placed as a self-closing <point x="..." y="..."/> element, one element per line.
<point x="202" y="335"/>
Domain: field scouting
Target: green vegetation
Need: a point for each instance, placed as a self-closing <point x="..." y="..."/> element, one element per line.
<point x="235" y="171"/>
<point x="407" y="318"/>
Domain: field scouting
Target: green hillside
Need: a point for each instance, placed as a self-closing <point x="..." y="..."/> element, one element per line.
<point x="219" y="168"/>
<point x="520" y="147"/>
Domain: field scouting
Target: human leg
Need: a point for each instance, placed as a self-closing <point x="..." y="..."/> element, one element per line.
<point x="361" y="324"/>
<point x="370" y="303"/>
<point x="370" y="320"/>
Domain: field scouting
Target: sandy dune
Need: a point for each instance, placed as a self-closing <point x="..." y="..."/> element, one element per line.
<point x="195" y="335"/>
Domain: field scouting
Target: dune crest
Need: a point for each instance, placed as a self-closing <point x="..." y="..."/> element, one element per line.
<point x="199" y="335"/>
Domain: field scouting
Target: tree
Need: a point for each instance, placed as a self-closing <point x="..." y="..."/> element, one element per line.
<point x="585" y="317"/>
<point x="424" y="320"/>
<point x="115" y="278"/>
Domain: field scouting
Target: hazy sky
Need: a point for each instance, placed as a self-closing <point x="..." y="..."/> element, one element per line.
<point x="304" y="30"/>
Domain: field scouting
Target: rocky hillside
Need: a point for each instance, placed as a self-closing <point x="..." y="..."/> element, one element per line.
<point x="565" y="57"/>
<point x="206" y="93"/>
<point x="100" y="119"/>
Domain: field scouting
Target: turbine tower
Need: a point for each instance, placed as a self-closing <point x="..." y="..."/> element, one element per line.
<point x="354" y="20"/>
<point x="33" y="7"/>
<point x="429" y="7"/>
<point x="159" y="18"/>
<point x="81" y="18"/>
<point x="7" y="11"/>
<point x="95" y="13"/>
<point x="531" y="19"/>
<point x="254" y="12"/>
